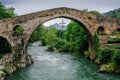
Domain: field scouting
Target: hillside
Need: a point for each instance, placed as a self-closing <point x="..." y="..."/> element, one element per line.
<point x="114" y="13"/>
<point x="59" y="27"/>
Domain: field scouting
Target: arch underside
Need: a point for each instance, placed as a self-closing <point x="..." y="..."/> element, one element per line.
<point x="79" y="21"/>
<point x="5" y="46"/>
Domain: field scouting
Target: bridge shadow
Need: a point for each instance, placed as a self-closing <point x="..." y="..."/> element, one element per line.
<point x="5" y="47"/>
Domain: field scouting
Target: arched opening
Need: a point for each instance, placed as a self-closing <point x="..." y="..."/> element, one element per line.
<point x="114" y="39"/>
<point x="62" y="32"/>
<point x="101" y="30"/>
<point x="117" y="33"/>
<point x="18" y="30"/>
<point x="4" y="47"/>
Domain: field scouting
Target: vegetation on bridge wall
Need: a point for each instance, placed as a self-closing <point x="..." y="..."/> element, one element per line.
<point x="95" y="12"/>
<point x="18" y="30"/>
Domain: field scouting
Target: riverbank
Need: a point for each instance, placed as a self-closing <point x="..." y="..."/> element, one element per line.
<point x="11" y="63"/>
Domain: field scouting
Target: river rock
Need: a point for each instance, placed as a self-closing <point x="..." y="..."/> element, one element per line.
<point x="2" y="75"/>
<point x="9" y="64"/>
<point x="107" y="68"/>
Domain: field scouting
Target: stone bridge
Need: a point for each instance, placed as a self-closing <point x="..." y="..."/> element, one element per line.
<point x="92" y="23"/>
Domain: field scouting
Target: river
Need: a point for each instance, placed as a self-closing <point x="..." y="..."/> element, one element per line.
<point x="59" y="66"/>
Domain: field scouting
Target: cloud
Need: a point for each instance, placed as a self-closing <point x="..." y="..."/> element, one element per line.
<point x="57" y="20"/>
<point x="29" y="6"/>
<point x="7" y="2"/>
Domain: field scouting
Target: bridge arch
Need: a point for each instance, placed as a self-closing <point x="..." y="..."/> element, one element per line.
<point x="85" y="26"/>
<point x="80" y="22"/>
<point x="5" y="46"/>
<point x="116" y="30"/>
<point x="101" y="30"/>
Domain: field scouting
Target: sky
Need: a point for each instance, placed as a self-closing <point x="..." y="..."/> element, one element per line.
<point x="30" y="6"/>
<point x="57" y="20"/>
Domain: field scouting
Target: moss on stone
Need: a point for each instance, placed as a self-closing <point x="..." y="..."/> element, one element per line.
<point x="108" y="67"/>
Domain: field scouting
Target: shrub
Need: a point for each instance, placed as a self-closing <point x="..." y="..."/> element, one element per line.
<point x="43" y="40"/>
<point x="59" y="43"/>
<point x="116" y="58"/>
<point x="95" y="39"/>
<point x="5" y="69"/>
<point x="87" y="54"/>
<point x="18" y="30"/>
<point x="95" y="12"/>
<point x="15" y="56"/>
<point x="68" y="47"/>
<point x="50" y="47"/>
<point x="106" y="54"/>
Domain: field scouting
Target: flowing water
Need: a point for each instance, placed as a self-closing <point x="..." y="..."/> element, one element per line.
<point x="59" y="66"/>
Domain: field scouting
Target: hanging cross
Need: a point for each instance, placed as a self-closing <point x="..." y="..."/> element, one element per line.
<point x="62" y="23"/>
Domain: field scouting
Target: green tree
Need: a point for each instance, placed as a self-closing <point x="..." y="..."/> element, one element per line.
<point x="38" y="34"/>
<point x="114" y="13"/>
<point x="51" y="35"/>
<point x="60" y="33"/>
<point x="42" y="30"/>
<point x="5" y="13"/>
<point x="106" y="54"/>
<point x="116" y="58"/>
<point x="95" y="40"/>
<point x="75" y="37"/>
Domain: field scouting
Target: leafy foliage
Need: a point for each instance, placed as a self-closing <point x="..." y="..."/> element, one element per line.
<point x="106" y="54"/>
<point x="95" y="12"/>
<point x="68" y="47"/>
<point x="59" y="43"/>
<point x="95" y="40"/>
<point x="18" y="30"/>
<point x="114" y="14"/>
<point x="116" y="58"/>
<point x="38" y="34"/>
<point x="70" y="40"/>
<point x="51" y="36"/>
<point x="76" y="37"/>
<point x="5" y="13"/>
<point x="43" y="40"/>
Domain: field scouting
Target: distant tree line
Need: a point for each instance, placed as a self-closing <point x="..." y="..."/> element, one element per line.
<point x="114" y="13"/>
